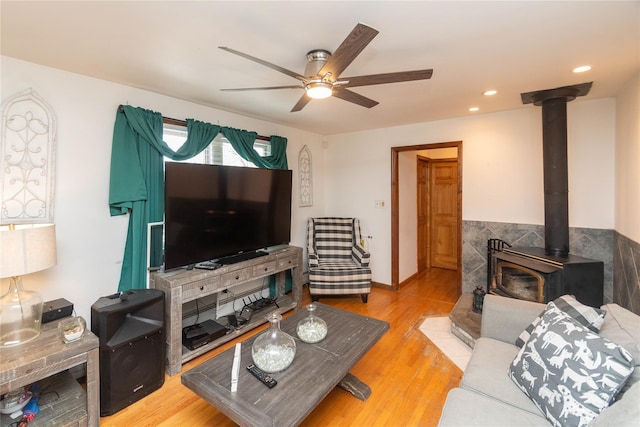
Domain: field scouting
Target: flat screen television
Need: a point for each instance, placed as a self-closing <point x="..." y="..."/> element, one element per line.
<point x="214" y="211"/>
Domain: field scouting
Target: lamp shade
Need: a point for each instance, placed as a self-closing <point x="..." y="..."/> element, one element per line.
<point x="26" y="249"/>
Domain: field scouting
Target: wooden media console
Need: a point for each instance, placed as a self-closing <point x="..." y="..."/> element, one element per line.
<point x="182" y="286"/>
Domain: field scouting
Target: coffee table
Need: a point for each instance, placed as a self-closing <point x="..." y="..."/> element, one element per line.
<point x="316" y="370"/>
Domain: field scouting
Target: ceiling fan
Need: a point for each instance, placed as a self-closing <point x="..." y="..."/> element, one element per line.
<point x="322" y="73"/>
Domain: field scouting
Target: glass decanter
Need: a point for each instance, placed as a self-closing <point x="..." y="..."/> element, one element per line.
<point x="274" y="350"/>
<point x="312" y="329"/>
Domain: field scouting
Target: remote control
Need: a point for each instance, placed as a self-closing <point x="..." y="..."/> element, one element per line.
<point x="265" y="378"/>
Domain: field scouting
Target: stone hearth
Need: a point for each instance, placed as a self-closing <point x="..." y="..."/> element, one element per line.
<point x="465" y="323"/>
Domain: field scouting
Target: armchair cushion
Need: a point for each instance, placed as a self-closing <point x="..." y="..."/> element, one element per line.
<point x="332" y="238"/>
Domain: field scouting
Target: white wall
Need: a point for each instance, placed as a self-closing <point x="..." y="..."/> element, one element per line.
<point x="91" y="243"/>
<point x="501" y="165"/>
<point x="627" y="194"/>
<point x="407" y="221"/>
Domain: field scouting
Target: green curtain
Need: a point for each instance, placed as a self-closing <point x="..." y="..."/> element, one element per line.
<point x="242" y="141"/>
<point x="137" y="179"/>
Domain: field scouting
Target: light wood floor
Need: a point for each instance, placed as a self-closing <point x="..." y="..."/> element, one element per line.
<point x="408" y="375"/>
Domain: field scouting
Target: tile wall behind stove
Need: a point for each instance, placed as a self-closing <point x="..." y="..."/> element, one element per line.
<point x="626" y="273"/>
<point x="590" y="243"/>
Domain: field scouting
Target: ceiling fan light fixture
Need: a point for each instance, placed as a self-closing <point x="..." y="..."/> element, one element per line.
<point x="323" y="70"/>
<point x="319" y="90"/>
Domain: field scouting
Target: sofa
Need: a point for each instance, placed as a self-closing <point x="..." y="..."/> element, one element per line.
<point x="488" y="394"/>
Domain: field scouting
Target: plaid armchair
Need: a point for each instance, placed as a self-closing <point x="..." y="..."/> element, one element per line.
<point x="338" y="264"/>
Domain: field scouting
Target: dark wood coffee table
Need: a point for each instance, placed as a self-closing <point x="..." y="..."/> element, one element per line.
<point x="315" y="371"/>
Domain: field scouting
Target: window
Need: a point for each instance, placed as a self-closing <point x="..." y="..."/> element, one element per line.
<point x="219" y="152"/>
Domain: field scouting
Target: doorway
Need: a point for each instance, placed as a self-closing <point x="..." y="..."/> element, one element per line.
<point x="435" y="221"/>
<point x="437" y="193"/>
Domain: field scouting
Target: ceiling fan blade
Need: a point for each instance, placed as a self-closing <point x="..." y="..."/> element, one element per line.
<point x="261" y="88"/>
<point x="356" y="98"/>
<point x="302" y="102"/>
<point x="351" y="47"/>
<point x="265" y="63"/>
<point x="378" y="79"/>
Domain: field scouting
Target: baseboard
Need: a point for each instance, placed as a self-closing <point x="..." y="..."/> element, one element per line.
<point x="379" y="285"/>
<point x="408" y="280"/>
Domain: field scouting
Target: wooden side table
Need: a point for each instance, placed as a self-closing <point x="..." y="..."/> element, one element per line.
<point x="48" y="355"/>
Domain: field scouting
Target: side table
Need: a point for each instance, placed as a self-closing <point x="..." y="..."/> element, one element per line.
<point x="48" y="355"/>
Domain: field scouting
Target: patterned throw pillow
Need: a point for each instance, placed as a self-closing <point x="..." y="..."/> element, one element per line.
<point x="592" y="318"/>
<point x="570" y="373"/>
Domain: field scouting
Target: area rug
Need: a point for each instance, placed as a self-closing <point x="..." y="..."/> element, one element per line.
<point x="438" y="330"/>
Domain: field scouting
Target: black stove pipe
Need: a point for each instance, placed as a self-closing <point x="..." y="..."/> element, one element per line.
<point x="556" y="177"/>
<point x="554" y="152"/>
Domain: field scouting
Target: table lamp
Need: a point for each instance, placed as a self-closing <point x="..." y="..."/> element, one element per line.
<point x="24" y="249"/>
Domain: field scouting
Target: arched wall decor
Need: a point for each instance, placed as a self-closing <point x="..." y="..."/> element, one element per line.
<point x="27" y="153"/>
<point x="305" y="176"/>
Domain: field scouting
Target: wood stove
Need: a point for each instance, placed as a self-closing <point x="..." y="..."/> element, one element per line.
<point x="531" y="274"/>
<point x="538" y="274"/>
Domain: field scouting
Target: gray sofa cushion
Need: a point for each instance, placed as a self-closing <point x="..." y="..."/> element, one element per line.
<point x="505" y="321"/>
<point x="487" y="370"/>
<point x="469" y="409"/>
<point x="568" y="371"/>
<point x="622" y="413"/>
<point x="621" y="326"/>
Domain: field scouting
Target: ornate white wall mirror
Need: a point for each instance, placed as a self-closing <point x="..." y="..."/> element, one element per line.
<point x="27" y="153"/>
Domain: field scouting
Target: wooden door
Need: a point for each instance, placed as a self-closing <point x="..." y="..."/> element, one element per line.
<point x="443" y="214"/>
<point x="423" y="213"/>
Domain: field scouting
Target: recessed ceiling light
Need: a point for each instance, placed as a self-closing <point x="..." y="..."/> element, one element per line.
<point x="490" y="92"/>
<point x="474" y="109"/>
<point x="582" y="69"/>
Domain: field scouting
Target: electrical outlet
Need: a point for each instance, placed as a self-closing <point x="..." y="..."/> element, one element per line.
<point x="379" y="203"/>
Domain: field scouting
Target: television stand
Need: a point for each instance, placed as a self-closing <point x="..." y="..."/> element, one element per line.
<point x="243" y="256"/>
<point x="182" y="286"/>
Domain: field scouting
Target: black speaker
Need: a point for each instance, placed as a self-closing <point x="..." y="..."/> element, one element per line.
<point x="130" y="326"/>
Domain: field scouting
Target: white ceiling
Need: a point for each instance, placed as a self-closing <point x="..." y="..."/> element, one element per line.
<point x="172" y="48"/>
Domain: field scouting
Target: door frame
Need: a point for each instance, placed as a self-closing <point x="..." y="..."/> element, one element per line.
<point x="425" y="256"/>
<point x="395" y="208"/>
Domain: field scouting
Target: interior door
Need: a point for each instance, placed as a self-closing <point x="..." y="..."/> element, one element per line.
<point x="423" y="213"/>
<point x="443" y="213"/>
